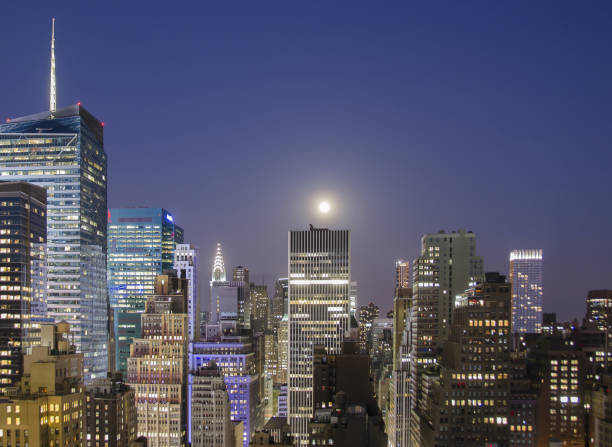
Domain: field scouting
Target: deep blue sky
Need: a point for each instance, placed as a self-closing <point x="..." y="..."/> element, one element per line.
<point x="410" y="118"/>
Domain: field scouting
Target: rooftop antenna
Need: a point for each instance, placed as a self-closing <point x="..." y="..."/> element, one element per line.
<point x="52" y="89"/>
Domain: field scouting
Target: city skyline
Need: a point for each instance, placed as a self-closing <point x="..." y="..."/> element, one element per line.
<point x="570" y="186"/>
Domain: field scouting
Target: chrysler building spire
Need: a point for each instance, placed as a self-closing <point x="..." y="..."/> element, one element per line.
<point x="218" y="273"/>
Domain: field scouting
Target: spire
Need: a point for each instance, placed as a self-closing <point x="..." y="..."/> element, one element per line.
<point x="52" y="89"/>
<point x="218" y="273"/>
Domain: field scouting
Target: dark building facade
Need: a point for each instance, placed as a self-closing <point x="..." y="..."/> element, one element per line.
<point x="557" y="365"/>
<point x="467" y="402"/>
<point x="23" y="233"/>
<point x="110" y="413"/>
<point x="345" y="410"/>
<point x="599" y="309"/>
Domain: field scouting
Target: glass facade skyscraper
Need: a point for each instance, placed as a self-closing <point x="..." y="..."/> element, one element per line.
<point x="526" y="279"/>
<point x="141" y="245"/>
<point x="63" y="151"/>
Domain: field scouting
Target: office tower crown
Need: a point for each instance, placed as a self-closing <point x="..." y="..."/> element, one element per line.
<point x="218" y="272"/>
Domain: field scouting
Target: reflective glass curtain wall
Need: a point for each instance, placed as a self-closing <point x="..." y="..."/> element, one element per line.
<point x="64" y="153"/>
<point x="141" y="245"/>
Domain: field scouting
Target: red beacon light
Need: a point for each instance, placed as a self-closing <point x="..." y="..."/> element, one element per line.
<point x="8" y="120"/>
<point x="102" y="123"/>
<point x="79" y="103"/>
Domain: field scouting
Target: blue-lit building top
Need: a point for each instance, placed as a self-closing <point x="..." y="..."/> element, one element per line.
<point x="63" y="152"/>
<point x="141" y="243"/>
<point x="235" y="358"/>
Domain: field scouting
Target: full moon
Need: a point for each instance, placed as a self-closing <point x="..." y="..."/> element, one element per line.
<point x="324" y="207"/>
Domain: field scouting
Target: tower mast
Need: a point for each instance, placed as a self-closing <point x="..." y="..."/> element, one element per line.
<point x="52" y="89"/>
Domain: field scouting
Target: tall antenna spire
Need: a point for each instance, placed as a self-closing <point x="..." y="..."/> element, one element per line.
<point x="52" y="89"/>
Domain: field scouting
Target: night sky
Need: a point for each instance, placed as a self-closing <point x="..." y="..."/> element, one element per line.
<point x="408" y="118"/>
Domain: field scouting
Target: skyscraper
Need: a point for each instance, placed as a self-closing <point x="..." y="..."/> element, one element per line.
<point x="210" y="422"/>
<point x="319" y="309"/>
<point x="235" y="358"/>
<point x="401" y="310"/>
<point x="63" y="151"/>
<point x="279" y="304"/>
<point x="367" y="314"/>
<point x="526" y="279"/>
<point x="141" y="245"/>
<point x="448" y="266"/>
<point x="229" y="300"/>
<point x="559" y="370"/>
<point x="468" y="404"/>
<point x="260" y="302"/>
<point x="240" y="273"/>
<point x="186" y="266"/>
<point x="599" y="309"/>
<point x="157" y="366"/>
<point x="398" y="414"/>
<point x="23" y="232"/>
<point x="225" y="345"/>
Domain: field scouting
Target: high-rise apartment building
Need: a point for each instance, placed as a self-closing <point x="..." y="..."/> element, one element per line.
<point x="279" y="303"/>
<point x="186" y="266"/>
<point x="63" y="151"/>
<point x="448" y="266"/>
<point x="110" y="413"/>
<point x="559" y="369"/>
<point x="157" y="366"/>
<point x="401" y="311"/>
<point x="468" y="403"/>
<point x="526" y="279"/>
<point x="210" y="423"/>
<point x="283" y="351"/>
<point x="599" y="309"/>
<point x="271" y="355"/>
<point x="141" y="245"/>
<point x="48" y="408"/>
<point x="260" y="302"/>
<point x="319" y="311"/>
<point x="23" y="233"/>
<point x="366" y="315"/>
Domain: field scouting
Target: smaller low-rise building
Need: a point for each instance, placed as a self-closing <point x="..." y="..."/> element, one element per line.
<point x="110" y="413"/>
<point x="47" y="409"/>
